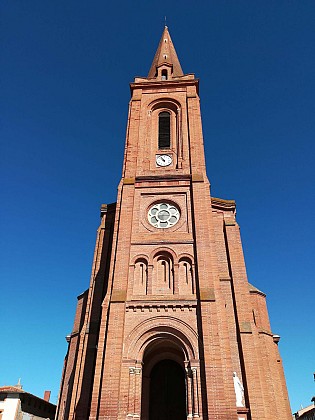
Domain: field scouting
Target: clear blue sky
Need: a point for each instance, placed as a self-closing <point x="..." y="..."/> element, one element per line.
<point x="65" y="69"/>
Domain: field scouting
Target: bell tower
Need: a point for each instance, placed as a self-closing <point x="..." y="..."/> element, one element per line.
<point x="170" y="328"/>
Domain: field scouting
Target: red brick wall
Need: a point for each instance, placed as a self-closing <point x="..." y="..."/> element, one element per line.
<point x="212" y="323"/>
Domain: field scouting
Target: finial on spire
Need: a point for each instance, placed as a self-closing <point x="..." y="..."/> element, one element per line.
<point x="165" y="25"/>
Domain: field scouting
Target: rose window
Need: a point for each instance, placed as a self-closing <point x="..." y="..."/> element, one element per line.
<point x="163" y="215"/>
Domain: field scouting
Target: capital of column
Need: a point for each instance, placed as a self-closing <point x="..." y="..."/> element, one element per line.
<point x="135" y="370"/>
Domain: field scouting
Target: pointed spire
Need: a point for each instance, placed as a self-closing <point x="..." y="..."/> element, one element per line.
<point x="166" y="54"/>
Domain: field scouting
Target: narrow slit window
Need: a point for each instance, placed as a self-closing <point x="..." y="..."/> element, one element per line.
<point x="164" y="130"/>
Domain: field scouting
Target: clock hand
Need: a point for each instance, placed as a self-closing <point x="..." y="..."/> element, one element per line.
<point x="163" y="158"/>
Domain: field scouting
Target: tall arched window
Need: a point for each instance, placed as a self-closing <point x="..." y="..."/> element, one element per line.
<point x="163" y="278"/>
<point x="141" y="277"/>
<point x="164" y="130"/>
<point x="186" y="282"/>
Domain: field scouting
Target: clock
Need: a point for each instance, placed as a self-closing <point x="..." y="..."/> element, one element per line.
<point x="163" y="160"/>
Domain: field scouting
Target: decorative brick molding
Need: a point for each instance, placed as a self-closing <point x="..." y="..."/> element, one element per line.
<point x="159" y="307"/>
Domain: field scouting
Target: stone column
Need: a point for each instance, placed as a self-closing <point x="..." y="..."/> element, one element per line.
<point x="150" y="279"/>
<point x="193" y="282"/>
<point x="137" y="395"/>
<point x="134" y="394"/>
<point x="175" y="278"/>
<point x="196" y="392"/>
<point x="179" y="139"/>
<point x="131" y="393"/>
<point x="189" y="391"/>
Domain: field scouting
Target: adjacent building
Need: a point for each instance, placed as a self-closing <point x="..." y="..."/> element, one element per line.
<point x="307" y="413"/>
<point x="16" y="404"/>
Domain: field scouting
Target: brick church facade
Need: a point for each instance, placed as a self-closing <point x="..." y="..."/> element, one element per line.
<point x="170" y="327"/>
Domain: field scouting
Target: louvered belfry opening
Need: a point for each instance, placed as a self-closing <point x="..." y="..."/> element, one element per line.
<point x="164" y="130"/>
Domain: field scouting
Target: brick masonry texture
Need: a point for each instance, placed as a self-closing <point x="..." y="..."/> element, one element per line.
<point x="179" y="293"/>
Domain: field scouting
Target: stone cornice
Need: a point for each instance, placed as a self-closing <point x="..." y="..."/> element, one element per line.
<point x="106" y="208"/>
<point x="147" y="84"/>
<point x="167" y="177"/>
<point x="220" y="204"/>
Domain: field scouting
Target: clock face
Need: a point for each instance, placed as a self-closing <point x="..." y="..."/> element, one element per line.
<point x="163" y="160"/>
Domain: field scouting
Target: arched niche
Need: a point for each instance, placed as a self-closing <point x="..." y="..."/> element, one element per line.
<point x="186" y="283"/>
<point x="163" y="273"/>
<point x="140" y="277"/>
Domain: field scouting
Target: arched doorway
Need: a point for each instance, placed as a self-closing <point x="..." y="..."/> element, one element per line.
<point x="167" y="395"/>
<point x="167" y="338"/>
<point x="164" y="382"/>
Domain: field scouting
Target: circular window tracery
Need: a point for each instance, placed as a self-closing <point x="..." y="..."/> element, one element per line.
<point x="163" y="215"/>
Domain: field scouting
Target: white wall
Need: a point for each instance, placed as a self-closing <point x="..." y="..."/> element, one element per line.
<point x="11" y="407"/>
